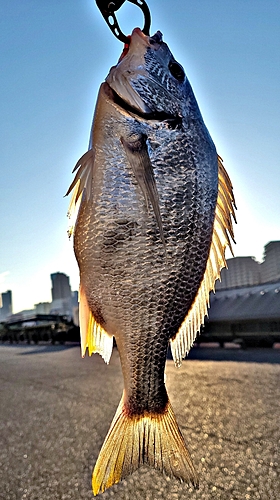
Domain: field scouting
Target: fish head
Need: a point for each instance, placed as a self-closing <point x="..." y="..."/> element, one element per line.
<point x="148" y="79"/>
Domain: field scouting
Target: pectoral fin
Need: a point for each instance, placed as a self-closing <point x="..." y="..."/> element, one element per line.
<point x="138" y="157"/>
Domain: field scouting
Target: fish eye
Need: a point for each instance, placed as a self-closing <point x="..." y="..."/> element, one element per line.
<point x="177" y="71"/>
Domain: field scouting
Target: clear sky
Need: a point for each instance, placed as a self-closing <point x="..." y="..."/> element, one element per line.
<point x="54" y="56"/>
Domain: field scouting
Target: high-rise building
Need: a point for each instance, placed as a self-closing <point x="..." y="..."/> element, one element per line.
<point x="270" y="267"/>
<point x="6" y="305"/>
<point x="75" y="298"/>
<point x="60" y="286"/>
<point x="242" y="271"/>
<point x="61" y="295"/>
<point x="75" y="307"/>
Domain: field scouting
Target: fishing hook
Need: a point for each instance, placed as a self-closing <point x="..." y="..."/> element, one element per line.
<point x="108" y="9"/>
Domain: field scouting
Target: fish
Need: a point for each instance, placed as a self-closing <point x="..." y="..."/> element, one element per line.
<point x="152" y="212"/>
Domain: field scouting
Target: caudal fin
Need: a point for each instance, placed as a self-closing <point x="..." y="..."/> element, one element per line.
<point x="152" y="439"/>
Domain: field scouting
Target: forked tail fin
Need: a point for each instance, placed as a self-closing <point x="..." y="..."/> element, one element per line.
<point x="152" y="439"/>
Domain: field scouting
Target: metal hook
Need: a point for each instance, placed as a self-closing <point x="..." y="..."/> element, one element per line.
<point x="108" y="9"/>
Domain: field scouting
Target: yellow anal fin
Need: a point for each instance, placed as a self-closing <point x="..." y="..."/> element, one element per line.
<point x="132" y="441"/>
<point x="93" y="336"/>
<point x="221" y="238"/>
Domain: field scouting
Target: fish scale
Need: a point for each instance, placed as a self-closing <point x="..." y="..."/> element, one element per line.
<point x="150" y="243"/>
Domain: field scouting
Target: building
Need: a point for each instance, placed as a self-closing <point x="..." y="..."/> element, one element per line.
<point x="21" y="315"/>
<point x="42" y="308"/>
<point x="246" y="306"/>
<point x="248" y="315"/>
<point x="75" y="307"/>
<point x="61" y="295"/>
<point x="61" y="288"/>
<point x="246" y="271"/>
<point x="75" y="298"/>
<point x="270" y="267"/>
<point x="6" y="307"/>
<point x="242" y="271"/>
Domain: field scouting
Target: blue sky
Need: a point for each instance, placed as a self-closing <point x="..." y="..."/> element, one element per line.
<point x="54" y="55"/>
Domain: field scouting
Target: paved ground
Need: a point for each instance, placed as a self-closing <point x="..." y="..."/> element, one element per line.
<point x="56" y="409"/>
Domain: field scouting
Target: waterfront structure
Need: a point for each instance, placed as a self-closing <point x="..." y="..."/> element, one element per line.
<point x="246" y="271"/>
<point x="246" y="306"/>
<point x="241" y="271"/>
<point x="247" y="315"/>
<point x="6" y="307"/>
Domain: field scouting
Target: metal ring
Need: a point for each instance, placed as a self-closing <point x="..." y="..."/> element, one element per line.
<point x="108" y="10"/>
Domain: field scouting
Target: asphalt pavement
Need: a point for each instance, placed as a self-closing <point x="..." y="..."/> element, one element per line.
<point x="56" y="409"/>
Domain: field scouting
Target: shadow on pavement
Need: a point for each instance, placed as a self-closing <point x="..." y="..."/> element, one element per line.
<point x="43" y="349"/>
<point x="252" y="355"/>
<point x="244" y="355"/>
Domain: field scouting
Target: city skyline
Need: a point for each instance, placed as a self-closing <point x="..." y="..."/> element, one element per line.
<point x="55" y="55"/>
<point x="63" y="299"/>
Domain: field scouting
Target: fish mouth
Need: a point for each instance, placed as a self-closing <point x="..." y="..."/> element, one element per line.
<point x="130" y="75"/>
<point x="173" y="121"/>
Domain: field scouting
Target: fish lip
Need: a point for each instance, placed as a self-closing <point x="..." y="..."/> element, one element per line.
<point x="174" y="121"/>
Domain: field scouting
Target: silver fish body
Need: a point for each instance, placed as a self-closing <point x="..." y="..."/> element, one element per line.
<point x="147" y="246"/>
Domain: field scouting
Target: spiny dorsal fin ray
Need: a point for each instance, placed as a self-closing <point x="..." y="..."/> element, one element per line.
<point x="93" y="336"/>
<point x="82" y="183"/>
<point x="222" y="232"/>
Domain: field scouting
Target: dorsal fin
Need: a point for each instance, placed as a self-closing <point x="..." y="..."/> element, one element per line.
<point x="82" y="183"/>
<point x="222" y="233"/>
<point x="93" y="336"/>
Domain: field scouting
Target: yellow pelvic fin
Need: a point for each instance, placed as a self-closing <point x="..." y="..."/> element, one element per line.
<point x="222" y="234"/>
<point x="151" y="439"/>
<point x="93" y="336"/>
